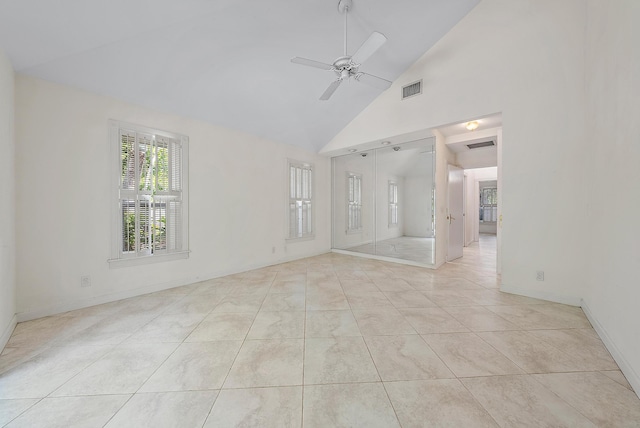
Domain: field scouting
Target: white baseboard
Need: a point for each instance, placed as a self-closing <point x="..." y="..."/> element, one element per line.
<point x="62" y="307"/>
<point x="632" y="376"/>
<point x="8" y="331"/>
<point x="543" y="295"/>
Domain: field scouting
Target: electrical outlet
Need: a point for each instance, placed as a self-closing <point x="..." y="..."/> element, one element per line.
<point x="540" y="275"/>
<point x="85" y="281"/>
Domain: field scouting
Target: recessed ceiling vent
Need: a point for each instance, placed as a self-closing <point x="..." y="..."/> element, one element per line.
<point x="479" y="145"/>
<point x="412" y="89"/>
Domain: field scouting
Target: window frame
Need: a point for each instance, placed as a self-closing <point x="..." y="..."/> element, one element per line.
<point x="118" y="258"/>
<point x="355" y="203"/>
<point x="292" y="163"/>
<point x="492" y="205"/>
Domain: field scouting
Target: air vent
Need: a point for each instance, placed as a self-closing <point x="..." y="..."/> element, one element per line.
<point x="412" y="89"/>
<point x="479" y="145"/>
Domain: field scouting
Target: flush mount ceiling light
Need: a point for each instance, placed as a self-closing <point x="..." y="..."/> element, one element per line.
<point x="472" y="126"/>
<point x="386" y="143"/>
<point x="352" y="150"/>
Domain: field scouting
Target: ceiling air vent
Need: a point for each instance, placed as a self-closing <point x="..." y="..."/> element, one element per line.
<point x="479" y="145"/>
<point x="412" y="89"/>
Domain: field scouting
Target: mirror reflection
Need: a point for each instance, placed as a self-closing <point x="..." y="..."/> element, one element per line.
<point x="384" y="202"/>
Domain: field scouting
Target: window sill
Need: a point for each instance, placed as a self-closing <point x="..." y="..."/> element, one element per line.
<point x="145" y="260"/>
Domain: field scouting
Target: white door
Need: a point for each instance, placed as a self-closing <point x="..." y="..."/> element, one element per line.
<point x="454" y="214"/>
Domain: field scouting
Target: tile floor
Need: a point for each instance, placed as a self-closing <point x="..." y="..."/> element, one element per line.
<point x="328" y="341"/>
<point x="419" y="250"/>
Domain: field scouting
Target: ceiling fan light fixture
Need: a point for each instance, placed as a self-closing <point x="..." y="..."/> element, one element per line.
<point x="472" y="126"/>
<point x="347" y="66"/>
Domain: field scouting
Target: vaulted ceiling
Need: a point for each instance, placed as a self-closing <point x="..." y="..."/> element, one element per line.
<point x="226" y="62"/>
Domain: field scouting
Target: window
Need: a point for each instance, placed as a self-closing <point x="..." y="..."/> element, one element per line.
<point x="300" y="200"/>
<point x="488" y="204"/>
<point x="393" y="203"/>
<point x="354" y="202"/>
<point x="150" y="198"/>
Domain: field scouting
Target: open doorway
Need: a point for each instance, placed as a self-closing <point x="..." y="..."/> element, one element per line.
<point x="474" y="146"/>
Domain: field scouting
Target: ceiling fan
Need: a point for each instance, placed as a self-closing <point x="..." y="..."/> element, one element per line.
<point x="347" y="66"/>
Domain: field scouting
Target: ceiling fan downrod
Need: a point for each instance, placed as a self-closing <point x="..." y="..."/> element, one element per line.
<point x="345" y="5"/>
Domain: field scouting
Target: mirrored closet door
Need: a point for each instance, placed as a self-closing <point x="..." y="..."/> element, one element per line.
<point x="384" y="202"/>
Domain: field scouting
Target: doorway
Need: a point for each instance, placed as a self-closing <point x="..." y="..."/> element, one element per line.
<point x="471" y="148"/>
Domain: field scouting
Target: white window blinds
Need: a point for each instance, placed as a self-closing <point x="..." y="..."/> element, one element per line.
<point x="354" y="202"/>
<point x="488" y="204"/>
<point x="300" y="200"/>
<point x="393" y="203"/>
<point x="150" y="202"/>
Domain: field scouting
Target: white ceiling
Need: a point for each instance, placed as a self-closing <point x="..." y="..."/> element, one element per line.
<point x="226" y="62"/>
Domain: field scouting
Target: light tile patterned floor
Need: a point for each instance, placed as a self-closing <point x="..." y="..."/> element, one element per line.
<point x="327" y="341"/>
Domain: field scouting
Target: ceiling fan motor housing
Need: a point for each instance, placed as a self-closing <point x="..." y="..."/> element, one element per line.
<point x="344" y="5"/>
<point x="344" y="67"/>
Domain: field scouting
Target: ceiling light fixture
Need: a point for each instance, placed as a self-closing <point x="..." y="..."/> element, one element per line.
<point x="352" y="150"/>
<point x="472" y="126"/>
<point x="386" y="143"/>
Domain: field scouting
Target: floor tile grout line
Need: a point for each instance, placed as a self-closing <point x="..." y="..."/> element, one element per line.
<point x="111" y="348"/>
<point x="475" y="399"/>
<point x="304" y="351"/>
<point x="25" y="410"/>
<point x="119" y="409"/>
<point x="235" y="358"/>
<point x="242" y="345"/>
<point x="533" y="378"/>
<point x="381" y="381"/>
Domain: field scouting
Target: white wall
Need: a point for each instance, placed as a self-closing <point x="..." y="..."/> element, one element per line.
<point x="613" y="85"/>
<point x="535" y="78"/>
<point x="7" y="202"/>
<point x="237" y="213"/>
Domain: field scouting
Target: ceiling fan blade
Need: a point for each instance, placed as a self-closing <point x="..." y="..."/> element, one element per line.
<point x="311" y="63"/>
<point x="330" y="90"/>
<point x="367" y="49"/>
<point x="375" y="81"/>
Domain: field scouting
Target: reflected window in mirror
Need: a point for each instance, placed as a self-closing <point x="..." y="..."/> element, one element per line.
<point x="393" y="203"/>
<point x="354" y="202"/>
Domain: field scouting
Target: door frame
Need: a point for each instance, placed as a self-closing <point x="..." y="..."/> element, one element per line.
<point x="450" y="167"/>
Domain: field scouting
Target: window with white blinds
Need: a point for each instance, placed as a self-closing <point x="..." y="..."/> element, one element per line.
<point x="150" y="204"/>
<point x="354" y="202"/>
<point x="393" y="203"/>
<point x="300" y="200"/>
<point x="488" y="204"/>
